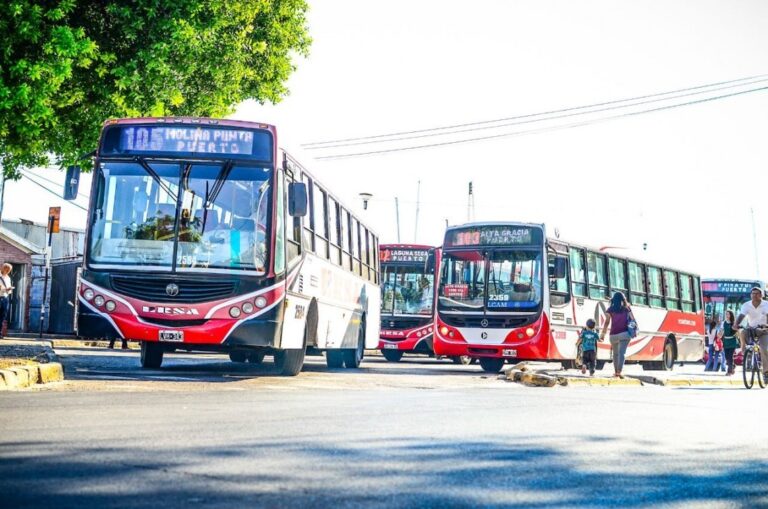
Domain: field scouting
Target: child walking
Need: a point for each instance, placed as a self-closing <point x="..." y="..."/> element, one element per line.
<point x="588" y="344"/>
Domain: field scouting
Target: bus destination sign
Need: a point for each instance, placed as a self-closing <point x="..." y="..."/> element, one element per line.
<point x="738" y="287"/>
<point x="494" y="235"/>
<point x="403" y="255"/>
<point x="188" y="139"/>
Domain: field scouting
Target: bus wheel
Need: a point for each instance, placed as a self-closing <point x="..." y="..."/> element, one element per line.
<point x="256" y="357"/>
<point x="354" y="356"/>
<point x="151" y="355"/>
<point x="238" y="356"/>
<point x="668" y="362"/>
<point x="289" y="362"/>
<point x="334" y="358"/>
<point x="491" y="365"/>
<point x="392" y="355"/>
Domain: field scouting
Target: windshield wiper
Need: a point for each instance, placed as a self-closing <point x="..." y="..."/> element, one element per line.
<point x="210" y="199"/>
<point x="155" y="177"/>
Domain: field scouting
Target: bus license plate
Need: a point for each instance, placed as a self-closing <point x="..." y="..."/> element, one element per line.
<point x="508" y="352"/>
<point x="390" y="346"/>
<point x="175" y="336"/>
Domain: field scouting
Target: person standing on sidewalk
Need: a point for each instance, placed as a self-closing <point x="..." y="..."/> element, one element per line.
<point x="712" y="327"/>
<point x="618" y="317"/>
<point x="730" y="343"/>
<point x="5" y="293"/>
<point x="756" y="313"/>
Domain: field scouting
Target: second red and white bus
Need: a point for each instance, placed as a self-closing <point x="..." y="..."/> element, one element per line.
<point x="407" y="299"/>
<point x="507" y="292"/>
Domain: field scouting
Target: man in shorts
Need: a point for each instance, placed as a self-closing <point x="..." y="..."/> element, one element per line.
<point x="756" y="313"/>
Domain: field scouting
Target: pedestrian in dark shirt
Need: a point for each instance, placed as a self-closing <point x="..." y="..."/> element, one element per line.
<point x="588" y="343"/>
<point x="618" y="317"/>
<point x="730" y="341"/>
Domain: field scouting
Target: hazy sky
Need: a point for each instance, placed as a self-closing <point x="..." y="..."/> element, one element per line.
<point x="681" y="180"/>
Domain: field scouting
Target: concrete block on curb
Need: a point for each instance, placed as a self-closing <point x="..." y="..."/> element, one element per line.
<point x="51" y="372"/>
<point x="10" y="379"/>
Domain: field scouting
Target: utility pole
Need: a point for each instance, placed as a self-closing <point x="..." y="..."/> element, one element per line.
<point x="418" y="201"/>
<point x="754" y="242"/>
<point x="397" y="218"/>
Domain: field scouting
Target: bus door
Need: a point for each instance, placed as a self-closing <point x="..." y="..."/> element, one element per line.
<point x="561" y="310"/>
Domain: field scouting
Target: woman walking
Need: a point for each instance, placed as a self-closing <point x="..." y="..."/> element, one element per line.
<point x="712" y="327"/>
<point x="730" y="341"/>
<point x="618" y="317"/>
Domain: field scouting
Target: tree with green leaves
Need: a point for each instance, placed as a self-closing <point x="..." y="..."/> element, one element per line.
<point x="68" y="65"/>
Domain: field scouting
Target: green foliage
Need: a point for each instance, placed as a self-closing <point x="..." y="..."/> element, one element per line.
<point x="68" y="65"/>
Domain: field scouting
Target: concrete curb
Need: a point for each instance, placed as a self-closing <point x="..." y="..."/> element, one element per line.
<point x="689" y="382"/>
<point x="602" y="381"/>
<point x="77" y="343"/>
<point x="27" y="375"/>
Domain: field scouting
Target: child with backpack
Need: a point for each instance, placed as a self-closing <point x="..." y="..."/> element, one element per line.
<point x="588" y="344"/>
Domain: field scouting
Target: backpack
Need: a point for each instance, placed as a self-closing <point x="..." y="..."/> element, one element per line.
<point x="631" y="325"/>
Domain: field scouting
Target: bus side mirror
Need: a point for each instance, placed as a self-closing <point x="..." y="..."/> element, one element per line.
<point x="71" y="182"/>
<point x="297" y="199"/>
<point x="429" y="265"/>
<point x="560" y="268"/>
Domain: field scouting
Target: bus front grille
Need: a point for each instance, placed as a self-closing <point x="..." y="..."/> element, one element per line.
<point x="493" y="322"/>
<point x="155" y="289"/>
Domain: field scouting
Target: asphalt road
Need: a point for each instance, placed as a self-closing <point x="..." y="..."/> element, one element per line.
<point x="204" y="432"/>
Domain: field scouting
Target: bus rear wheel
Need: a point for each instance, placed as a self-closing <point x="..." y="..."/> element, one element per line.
<point x="668" y="360"/>
<point x="289" y="362"/>
<point x="354" y="356"/>
<point x="392" y="355"/>
<point x="151" y="355"/>
<point x="491" y="365"/>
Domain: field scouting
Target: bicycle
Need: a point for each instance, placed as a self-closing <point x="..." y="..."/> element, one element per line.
<point x="752" y="364"/>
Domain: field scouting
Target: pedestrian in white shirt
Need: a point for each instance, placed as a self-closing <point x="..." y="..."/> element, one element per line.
<point x="6" y="289"/>
<point x="756" y="313"/>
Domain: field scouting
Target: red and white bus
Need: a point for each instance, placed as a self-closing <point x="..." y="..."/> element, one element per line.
<point x="506" y="292"/>
<point x="203" y="235"/>
<point x="407" y="299"/>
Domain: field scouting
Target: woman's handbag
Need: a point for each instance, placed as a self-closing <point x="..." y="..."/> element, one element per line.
<point x="631" y="325"/>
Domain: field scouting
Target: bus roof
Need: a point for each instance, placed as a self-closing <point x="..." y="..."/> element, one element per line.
<point x="189" y="120"/>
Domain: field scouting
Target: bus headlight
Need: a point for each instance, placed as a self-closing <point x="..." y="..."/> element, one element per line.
<point x="247" y="308"/>
<point x="110" y="305"/>
<point x="530" y="332"/>
<point x="443" y="330"/>
<point x="88" y="294"/>
<point x="234" y="312"/>
<point x="260" y="302"/>
<point x="99" y="300"/>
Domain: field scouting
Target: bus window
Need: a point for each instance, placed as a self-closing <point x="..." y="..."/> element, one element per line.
<point x="686" y="293"/>
<point x="637" y="293"/>
<point x="333" y="231"/>
<point x="578" y="274"/>
<point x="655" y="294"/>
<point x="617" y="275"/>
<point x="558" y="287"/>
<point x="319" y="222"/>
<point x="346" y="258"/>
<point x="670" y="286"/>
<point x="308" y="236"/>
<point x="696" y="294"/>
<point x="598" y="285"/>
<point x="355" y="247"/>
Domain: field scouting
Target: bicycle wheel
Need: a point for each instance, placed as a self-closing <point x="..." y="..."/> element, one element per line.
<point x="758" y="368"/>
<point x="747" y="370"/>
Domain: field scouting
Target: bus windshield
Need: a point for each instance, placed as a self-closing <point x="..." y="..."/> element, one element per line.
<point x="494" y="280"/>
<point x="406" y="290"/>
<point x="211" y="215"/>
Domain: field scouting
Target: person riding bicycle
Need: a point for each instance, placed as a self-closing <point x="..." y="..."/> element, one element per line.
<point x="756" y="313"/>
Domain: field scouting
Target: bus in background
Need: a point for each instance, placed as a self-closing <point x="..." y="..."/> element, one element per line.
<point x="407" y="299"/>
<point x="506" y="292"/>
<point x="203" y="235"/>
<point x="722" y="294"/>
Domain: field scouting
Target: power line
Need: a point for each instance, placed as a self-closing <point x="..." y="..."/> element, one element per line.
<point x="563" y="110"/>
<point x="30" y="172"/>
<point x="540" y="130"/>
<point x="55" y="194"/>
<point x="542" y="119"/>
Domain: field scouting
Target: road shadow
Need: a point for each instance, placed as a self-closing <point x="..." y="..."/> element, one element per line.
<point x="410" y="472"/>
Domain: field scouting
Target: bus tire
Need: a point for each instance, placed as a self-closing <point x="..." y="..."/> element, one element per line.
<point x="256" y="357"/>
<point x="151" y="355"/>
<point x="669" y="357"/>
<point x="334" y="359"/>
<point x="289" y="362"/>
<point x="392" y="355"/>
<point x="491" y="365"/>
<point x="354" y="356"/>
<point x="238" y="356"/>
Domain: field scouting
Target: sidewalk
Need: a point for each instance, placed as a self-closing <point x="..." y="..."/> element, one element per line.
<point x="24" y="363"/>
